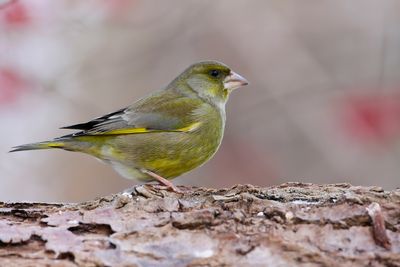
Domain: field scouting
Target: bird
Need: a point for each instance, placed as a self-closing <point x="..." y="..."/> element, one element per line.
<point x="163" y="135"/>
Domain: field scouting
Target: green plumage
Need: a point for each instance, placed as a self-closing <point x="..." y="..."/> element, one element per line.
<point x="168" y="133"/>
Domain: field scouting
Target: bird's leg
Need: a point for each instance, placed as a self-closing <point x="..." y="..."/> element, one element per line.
<point x="162" y="181"/>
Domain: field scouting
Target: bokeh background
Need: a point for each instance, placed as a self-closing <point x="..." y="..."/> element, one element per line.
<point x="323" y="105"/>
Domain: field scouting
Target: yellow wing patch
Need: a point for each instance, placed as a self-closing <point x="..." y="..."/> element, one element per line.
<point x="192" y="127"/>
<point x="128" y="131"/>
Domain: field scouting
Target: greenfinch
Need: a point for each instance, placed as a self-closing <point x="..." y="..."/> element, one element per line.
<point x="163" y="135"/>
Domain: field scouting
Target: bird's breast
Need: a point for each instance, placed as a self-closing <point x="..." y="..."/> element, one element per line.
<point x="171" y="154"/>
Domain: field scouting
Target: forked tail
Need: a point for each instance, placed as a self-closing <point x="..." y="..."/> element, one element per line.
<point x="39" y="145"/>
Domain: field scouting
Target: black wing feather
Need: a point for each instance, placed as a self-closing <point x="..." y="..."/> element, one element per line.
<point x="92" y="124"/>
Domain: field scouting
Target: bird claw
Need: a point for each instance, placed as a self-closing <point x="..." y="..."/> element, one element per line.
<point x="166" y="187"/>
<point x="162" y="181"/>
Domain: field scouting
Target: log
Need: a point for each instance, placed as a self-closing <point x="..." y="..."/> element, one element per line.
<point x="293" y="224"/>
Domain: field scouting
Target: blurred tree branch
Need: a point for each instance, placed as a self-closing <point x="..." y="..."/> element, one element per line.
<point x="292" y="224"/>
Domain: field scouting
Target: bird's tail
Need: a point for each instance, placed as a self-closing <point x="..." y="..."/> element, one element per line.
<point x="39" y="145"/>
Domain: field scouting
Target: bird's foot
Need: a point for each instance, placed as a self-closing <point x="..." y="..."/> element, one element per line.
<point x="162" y="181"/>
<point x="166" y="187"/>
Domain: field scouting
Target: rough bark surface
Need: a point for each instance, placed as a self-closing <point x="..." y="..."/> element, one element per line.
<point x="293" y="224"/>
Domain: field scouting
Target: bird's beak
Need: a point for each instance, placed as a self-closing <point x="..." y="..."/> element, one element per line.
<point x="234" y="80"/>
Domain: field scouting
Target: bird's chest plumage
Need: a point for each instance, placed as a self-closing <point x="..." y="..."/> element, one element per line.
<point x="171" y="154"/>
<point x="202" y="144"/>
<point x="185" y="151"/>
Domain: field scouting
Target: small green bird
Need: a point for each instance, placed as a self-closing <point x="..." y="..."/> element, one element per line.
<point x="163" y="135"/>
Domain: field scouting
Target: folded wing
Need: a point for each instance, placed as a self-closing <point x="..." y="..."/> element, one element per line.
<point x="151" y="115"/>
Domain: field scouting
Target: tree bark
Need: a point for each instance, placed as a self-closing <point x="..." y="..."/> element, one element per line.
<point x="293" y="224"/>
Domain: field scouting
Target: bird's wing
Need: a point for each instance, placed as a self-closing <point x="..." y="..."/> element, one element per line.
<point x="149" y="115"/>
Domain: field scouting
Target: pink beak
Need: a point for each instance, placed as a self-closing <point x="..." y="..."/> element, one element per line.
<point x="234" y="80"/>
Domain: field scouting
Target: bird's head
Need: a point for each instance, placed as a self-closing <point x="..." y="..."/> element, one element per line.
<point x="212" y="80"/>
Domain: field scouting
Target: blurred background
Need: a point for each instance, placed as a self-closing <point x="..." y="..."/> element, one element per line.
<point x="323" y="105"/>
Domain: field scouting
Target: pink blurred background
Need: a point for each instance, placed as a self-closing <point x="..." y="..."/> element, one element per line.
<point x="323" y="105"/>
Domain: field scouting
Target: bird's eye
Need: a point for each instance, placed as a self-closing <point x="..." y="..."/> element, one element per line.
<point x="214" y="73"/>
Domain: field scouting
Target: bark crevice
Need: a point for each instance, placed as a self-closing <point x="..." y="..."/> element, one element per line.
<point x="293" y="224"/>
